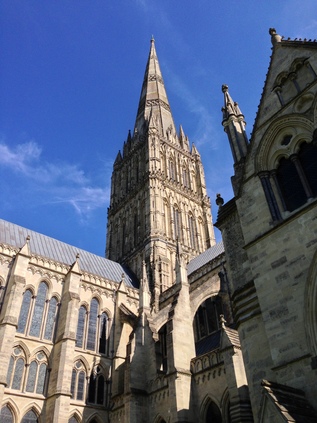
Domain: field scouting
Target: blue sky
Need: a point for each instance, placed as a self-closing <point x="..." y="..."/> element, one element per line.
<point x="70" y="79"/>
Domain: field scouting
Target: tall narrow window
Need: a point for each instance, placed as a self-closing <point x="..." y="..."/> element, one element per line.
<point x="81" y="327"/>
<point x="172" y="170"/>
<point x="207" y="317"/>
<point x="290" y="184"/>
<point x="103" y="333"/>
<point x="16" y="369"/>
<point x="6" y="415"/>
<point x="37" y="374"/>
<point x="96" y="387"/>
<point x="24" y="312"/>
<point x="30" y="417"/>
<point x="50" y="319"/>
<point x="192" y="231"/>
<point x="78" y="382"/>
<point x="308" y="158"/>
<point x="38" y="312"/>
<point x="177" y="224"/>
<point x="2" y="288"/>
<point x="92" y="326"/>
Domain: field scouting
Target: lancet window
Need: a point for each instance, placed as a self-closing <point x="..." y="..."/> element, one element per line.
<point x="6" y="415"/>
<point x="294" y="180"/>
<point x="96" y="391"/>
<point x="177" y="223"/>
<point x="207" y="318"/>
<point x="16" y="369"/>
<point x="192" y="231"/>
<point x="2" y="289"/>
<point x="78" y="382"/>
<point x="37" y="373"/>
<point x="30" y="417"/>
<point x="92" y="328"/>
<point x="38" y="314"/>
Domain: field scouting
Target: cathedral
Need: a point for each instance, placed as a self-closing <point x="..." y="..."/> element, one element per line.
<point x="170" y="326"/>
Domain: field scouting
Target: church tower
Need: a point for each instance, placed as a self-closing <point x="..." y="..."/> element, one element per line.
<point x="158" y="191"/>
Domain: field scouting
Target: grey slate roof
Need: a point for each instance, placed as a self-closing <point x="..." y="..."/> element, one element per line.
<point x="42" y="245"/>
<point x="205" y="257"/>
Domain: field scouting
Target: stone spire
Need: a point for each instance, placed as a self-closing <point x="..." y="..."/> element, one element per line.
<point x="153" y="99"/>
<point x="234" y="125"/>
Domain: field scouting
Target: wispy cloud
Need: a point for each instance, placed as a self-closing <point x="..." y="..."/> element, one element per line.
<point x="56" y="183"/>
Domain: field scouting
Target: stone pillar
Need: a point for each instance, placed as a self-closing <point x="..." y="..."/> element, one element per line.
<point x="58" y="397"/>
<point x="11" y="310"/>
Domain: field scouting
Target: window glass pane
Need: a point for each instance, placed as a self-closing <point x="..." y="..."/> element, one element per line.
<point x="30" y="417"/>
<point x="80" y="327"/>
<point x="1" y="295"/>
<point x="212" y="317"/>
<point x="308" y="159"/>
<point x="93" y="315"/>
<point x="18" y="373"/>
<point x="81" y="386"/>
<point x="6" y="415"/>
<point x="103" y="333"/>
<point x="9" y="374"/>
<point x="92" y="389"/>
<point x="290" y="185"/>
<point x="49" y="327"/>
<point x="31" y="377"/>
<point x="41" y="379"/>
<point x="72" y="420"/>
<point x="100" y="389"/>
<point x="24" y="311"/>
<point x="72" y="386"/>
<point x="38" y="310"/>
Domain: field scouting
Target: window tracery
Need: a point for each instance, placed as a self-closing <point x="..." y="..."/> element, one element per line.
<point x="96" y="391"/>
<point x="37" y="374"/>
<point x="30" y="417"/>
<point x="16" y="369"/>
<point x="38" y="314"/>
<point x="78" y="382"/>
<point x="207" y="318"/>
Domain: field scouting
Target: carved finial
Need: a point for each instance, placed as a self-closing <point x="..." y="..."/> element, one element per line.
<point x="222" y="321"/>
<point x="77" y="256"/>
<point x="224" y="88"/>
<point x="219" y="200"/>
<point x="275" y="38"/>
<point x="152" y="39"/>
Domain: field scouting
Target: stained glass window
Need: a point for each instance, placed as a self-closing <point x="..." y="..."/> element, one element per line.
<point x="81" y="386"/>
<point x="73" y="383"/>
<point x="92" y="327"/>
<point x="38" y="312"/>
<point x="50" y="320"/>
<point x="6" y="415"/>
<point x="24" y="311"/>
<point x="41" y="379"/>
<point x="18" y="373"/>
<point x="81" y="327"/>
<point x="30" y="385"/>
<point x="103" y="333"/>
<point x="30" y="417"/>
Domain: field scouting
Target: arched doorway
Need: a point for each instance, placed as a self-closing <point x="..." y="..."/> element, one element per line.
<point x="213" y="414"/>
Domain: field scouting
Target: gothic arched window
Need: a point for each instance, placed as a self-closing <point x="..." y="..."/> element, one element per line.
<point x="207" y="317"/>
<point x="103" y="329"/>
<point x="290" y="184"/>
<point x="6" y="415"/>
<point x="37" y="314"/>
<point x="51" y="319"/>
<point x="192" y="231"/>
<point x="25" y="310"/>
<point x="213" y="414"/>
<point x="2" y="288"/>
<point x="73" y="420"/>
<point x="177" y="223"/>
<point x="37" y="374"/>
<point x="16" y="369"/>
<point x="96" y="391"/>
<point x="30" y="417"/>
<point x="186" y="181"/>
<point x="78" y="382"/>
<point x="172" y="169"/>
<point x="81" y="326"/>
<point x="92" y="325"/>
